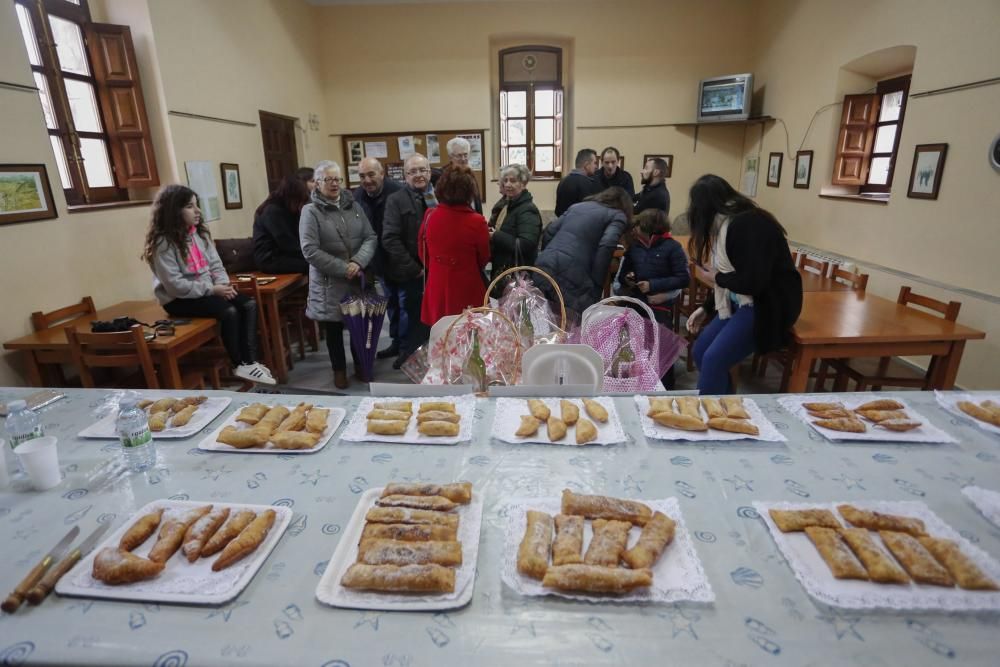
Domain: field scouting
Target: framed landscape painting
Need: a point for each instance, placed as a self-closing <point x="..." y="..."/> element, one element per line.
<point x="25" y="194"/>
<point x="774" y="169"/>
<point x="232" y="192"/>
<point x="925" y="176"/>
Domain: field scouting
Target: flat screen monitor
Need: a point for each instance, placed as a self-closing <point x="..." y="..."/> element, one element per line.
<point x="724" y="98"/>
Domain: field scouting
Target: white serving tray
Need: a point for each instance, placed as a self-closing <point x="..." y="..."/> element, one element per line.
<point x="211" y="443"/>
<point x="357" y="428"/>
<point x="986" y="501"/>
<point x="181" y="581"/>
<point x="507" y="419"/>
<point x="949" y="399"/>
<point x="926" y="433"/>
<point x="203" y="416"/>
<point x="330" y="592"/>
<point x="654" y="431"/>
<point x="814" y="575"/>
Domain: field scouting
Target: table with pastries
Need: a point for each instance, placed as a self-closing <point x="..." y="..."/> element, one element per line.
<point x="756" y="611"/>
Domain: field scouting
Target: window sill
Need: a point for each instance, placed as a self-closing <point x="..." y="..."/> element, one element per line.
<point x="90" y="208"/>
<point x="884" y="201"/>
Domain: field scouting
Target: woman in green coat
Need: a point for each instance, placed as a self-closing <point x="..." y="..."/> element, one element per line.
<point x="515" y="223"/>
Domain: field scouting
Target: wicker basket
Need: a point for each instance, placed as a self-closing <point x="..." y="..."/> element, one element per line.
<point x="515" y="269"/>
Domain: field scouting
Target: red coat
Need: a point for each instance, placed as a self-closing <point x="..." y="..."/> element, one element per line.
<point x="455" y="248"/>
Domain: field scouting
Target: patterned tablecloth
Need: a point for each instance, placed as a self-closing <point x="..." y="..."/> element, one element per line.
<point x="761" y="615"/>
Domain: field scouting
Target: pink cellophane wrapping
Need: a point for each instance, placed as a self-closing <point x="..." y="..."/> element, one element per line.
<point x="520" y="293"/>
<point x="445" y="360"/>
<point x="643" y="374"/>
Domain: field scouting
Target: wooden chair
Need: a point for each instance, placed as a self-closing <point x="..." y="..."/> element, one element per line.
<point x="857" y="281"/>
<point x="126" y="349"/>
<point x="616" y="262"/>
<point x="52" y="360"/>
<point x="806" y="262"/>
<point x="692" y="297"/>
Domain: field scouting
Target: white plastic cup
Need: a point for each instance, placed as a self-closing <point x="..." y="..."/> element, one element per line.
<point x="40" y="459"/>
<point x="4" y="475"/>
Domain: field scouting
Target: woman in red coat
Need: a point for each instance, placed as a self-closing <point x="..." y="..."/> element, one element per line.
<point x="454" y="247"/>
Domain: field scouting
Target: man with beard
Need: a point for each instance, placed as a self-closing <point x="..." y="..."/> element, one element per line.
<point x="611" y="174"/>
<point x="654" y="187"/>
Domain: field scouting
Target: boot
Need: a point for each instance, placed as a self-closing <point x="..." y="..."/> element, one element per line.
<point x="340" y="379"/>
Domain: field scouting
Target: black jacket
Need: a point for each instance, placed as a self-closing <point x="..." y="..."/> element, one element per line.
<point x="621" y="179"/>
<point x="573" y="189"/>
<point x="655" y="196"/>
<point x="758" y="251"/>
<point x="664" y="264"/>
<point x="404" y="212"/>
<point x="276" y="247"/>
<point x="515" y="243"/>
<point x="374" y="208"/>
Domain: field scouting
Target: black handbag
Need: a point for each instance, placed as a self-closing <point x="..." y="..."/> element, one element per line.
<point x="116" y="325"/>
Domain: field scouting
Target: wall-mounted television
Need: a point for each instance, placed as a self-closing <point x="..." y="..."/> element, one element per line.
<point x="724" y="98"/>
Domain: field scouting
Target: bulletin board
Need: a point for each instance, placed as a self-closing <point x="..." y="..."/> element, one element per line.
<point x="389" y="148"/>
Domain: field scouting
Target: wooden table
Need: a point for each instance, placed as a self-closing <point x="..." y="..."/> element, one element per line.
<point x="849" y="324"/>
<point x="166" y="350"/>
<point x="271" y="295"/>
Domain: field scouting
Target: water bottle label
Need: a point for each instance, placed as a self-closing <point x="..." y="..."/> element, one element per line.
<point x="16" y="440"/>
<point x="136" y="438"/>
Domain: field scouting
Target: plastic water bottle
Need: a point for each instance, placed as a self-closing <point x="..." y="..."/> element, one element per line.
<point x="138" y="449"/>
<point x="22" y="425"/>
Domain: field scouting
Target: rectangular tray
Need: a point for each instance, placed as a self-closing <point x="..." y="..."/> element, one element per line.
<point x="203" y="416"/>
<point x="654" y="431"/>
<point x="507" y="419"/>
<point x="926" y="433"/>
<point x="210" y="442"/>
<point x="357" y="427"/>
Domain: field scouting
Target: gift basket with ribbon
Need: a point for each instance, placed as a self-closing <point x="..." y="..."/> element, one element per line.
<point x="528" y="308"/>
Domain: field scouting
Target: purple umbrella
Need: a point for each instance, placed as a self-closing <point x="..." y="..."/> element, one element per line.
<point x="363" y="317"/>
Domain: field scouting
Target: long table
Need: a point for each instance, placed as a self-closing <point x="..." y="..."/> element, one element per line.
<point x="761" y="615"/>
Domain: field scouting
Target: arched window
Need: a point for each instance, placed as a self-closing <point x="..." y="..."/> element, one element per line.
<point x="531" y="109"/>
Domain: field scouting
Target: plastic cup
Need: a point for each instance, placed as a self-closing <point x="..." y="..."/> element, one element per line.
<point x="4" y="476"/>
<point x="40" y="460"/>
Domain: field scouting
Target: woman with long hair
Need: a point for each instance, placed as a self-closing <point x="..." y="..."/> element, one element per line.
<point x="276" y="246"/>
<point x="190" y="281"/>
<point x="740" y="251"/>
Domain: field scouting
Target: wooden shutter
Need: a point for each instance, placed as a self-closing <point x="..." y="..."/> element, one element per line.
<point x="120" y="93"/>
<point x="557" y="100"/>
<point x="854" y="144"/>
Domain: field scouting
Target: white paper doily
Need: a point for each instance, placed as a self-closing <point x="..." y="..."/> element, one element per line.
<point x="507" y="419"/>
<point x="357" y="428"/>
<point x="654" y="431"/>
<point x="202" y="417"/>
<point x="986" y="501"/>
<point x="677" y="576"/>
<point x="948" y="400"/>
<point x="211" y="442"/>
<point x="926" y="433"/>
<point x="814" y="575"/>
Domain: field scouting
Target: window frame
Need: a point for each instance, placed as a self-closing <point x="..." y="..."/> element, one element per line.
<point x="885" y="87"/>
<point x="530" y="117"/>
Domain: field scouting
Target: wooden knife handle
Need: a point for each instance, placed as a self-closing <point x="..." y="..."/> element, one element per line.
<point x="48" y="582"/>
<point x="15" y="599"/>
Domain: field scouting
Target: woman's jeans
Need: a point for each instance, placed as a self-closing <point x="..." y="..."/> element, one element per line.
<point x="720" y="346"/>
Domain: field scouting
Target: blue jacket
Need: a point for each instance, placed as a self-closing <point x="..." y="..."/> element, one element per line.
<point x="664" y="264"/>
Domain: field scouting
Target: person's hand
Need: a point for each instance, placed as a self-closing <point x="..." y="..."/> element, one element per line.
<point x="352" y="270"/>
<point x="705" y="275"/>
<point x="657" y="299"/>
<point x="643" y="286"/>
<point x="696" y="320"/>
<point x="227" y="292"/>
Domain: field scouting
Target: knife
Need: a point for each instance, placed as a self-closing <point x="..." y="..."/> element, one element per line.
<point x="15" y="599"/>
<point x="48" y="582"/>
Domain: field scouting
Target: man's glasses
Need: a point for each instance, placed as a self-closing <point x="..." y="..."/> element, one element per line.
<point x="418" y="170"/>
<point x="331" y="180"/>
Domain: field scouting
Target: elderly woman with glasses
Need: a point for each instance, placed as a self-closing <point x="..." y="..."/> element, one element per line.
<point x="515" y="223"/>
<point x="338" y="242"/>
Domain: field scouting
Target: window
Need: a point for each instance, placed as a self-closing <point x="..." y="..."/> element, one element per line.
<point x="91" y="99"/>
<point x="531" y="109"/>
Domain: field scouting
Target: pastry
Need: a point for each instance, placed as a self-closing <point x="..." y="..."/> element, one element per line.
<point x="838" y="557"/>
<point x="242" y="439"/>
<point x="538" y="409"/>
<point x="608" y="543"/>
<point x="734" y="425"/>
<point x="251" y="414"/>
<point x="140" y="531"/>
<point x="569" y="412"/>
<point x="438" y="429"/>
<point x="734" y="407"/>
<point x="294" y="439"/>
<point x="555" y="429"/>
<point x="402" y="406"/>
<point x="296" y="420"/>
<point x="979" y="412"/>
<point x="844" y="424"/>
<point x="689" y="406"/>
<point x="316" y="420"/>
<point x="596" y="411"/>
<point x="596" y="579"/>
<point x="438" y="416"/>
<point x="604" y="507"/>
<point x="879" y="521"/>
<point x="186" y="401"/>
<point x="233" y="526"/>
<point x="184" y="416"/>
<point x="398" y="552"/>
<point x="568" y="543"/>
<point x="442" y="406"/>
<point x="831" y="414"/>
<point x="789" y="521"/>
<point x="533" y="553"/>
<point x="585" y="432"/>
<point x="682" y="422"/>
<point x="529" y="426"/>
<point x="158" y="421"/>
<point x="408" y="532"/>
<point x="899" y="425"/>
<point x="881" y="568"/>
<point x="387" y="427"/>
<point x="172" y="534"/>
<point x="917" y="561"/>
<point x="246" y="542"/>
<point x="881" y="415"/>
<point x="391" y="415"/>
<point x="654" y="538"/>
<point x="459" y="492"/>
<point x="405" y="579"/>
<point x="881" y="404"/>
<point x="436" y="503"/>
<point x="144" y="403"/>
<point x="407" y="515"/>
<point x="269" y="422"/>
<point x="658" y="405"/>
<point x="823" y="407"/>
<point x="201" y="531"/>
<point x="959" y="566"/>
<point x="162" y="405"/>
<point x="713" y="408"/>
<point x="117" y="566"/>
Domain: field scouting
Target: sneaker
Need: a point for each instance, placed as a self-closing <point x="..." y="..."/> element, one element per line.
<point x="254" y="373"/>
<point x="391" y="351"/>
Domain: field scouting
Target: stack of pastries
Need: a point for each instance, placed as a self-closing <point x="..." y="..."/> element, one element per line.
<point x="853" y="553"/>
<point x="434" y="418"/>
<point x="410" y="540"/>
<point x="198" y="533"/>
<point x="607" y="565"/>
<point x="884" y="413"/>
<point x="557" y="427"/>
<point x="298" y="428"/>
<point x="723" y="414"/>
<point x="985" y="411"/>
<point x="170" y="412"/>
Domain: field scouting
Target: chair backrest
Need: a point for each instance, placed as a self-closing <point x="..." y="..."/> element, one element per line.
<point x="111" y="350"/>
<point x="948" y="310"/>
<point x="857" y="281"/>
<point x="236" y="254"/>
<point x="249" y="286"/>
<point x="807" y="262"/>
<point x="616" y="261"/>
<point x="41" y="321"/>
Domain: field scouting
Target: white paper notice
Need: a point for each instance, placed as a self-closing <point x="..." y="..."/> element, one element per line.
<point x="376" y="149"/>
<point x="203" y="179"/>
<point x="406" y="147"/>
<point x="476" y="150"/>
<point x="433" y="149"/>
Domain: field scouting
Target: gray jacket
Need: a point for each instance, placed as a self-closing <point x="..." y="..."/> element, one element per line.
<point x="172" y="279"/>
<point x="333" y="234"/>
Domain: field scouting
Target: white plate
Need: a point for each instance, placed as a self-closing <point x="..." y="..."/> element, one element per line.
<point x="329" y="591"/>
<point x="507" y="419"/>
<point x="203" y="416"/>
<point x="949" y="399"/>
<point x="654" y="431"/>
<point x="677" y="576"/>
<point x="926" y="433"/>
<point x="212" y="444"/>
<point x="814" y="575"/>
<point x="986" y="501"/>
<point x="357" y="428"/>
<point x="180" y="581"/>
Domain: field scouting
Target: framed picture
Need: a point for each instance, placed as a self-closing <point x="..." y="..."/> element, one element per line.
<point x="925" y="177"/>
<point x="231" y="193"/>
<point x="995" y="153"/>
<point x="356" y="151"/>
<point x="750" y="168"/>
<point x="803" y="169"/>
<point x="25" y="194"/>
<point x="669" y="159"/>
<point x="774" y="169"/>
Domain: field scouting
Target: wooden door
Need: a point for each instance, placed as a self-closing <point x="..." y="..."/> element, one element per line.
<point x="280" y="155"/>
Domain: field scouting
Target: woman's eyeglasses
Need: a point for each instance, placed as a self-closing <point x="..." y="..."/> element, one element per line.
<point x="331" y="180"/>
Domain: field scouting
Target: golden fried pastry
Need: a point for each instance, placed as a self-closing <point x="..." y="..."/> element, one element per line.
<point x="713" y="408"/>
<point x="789" y="521"/>
<point x="408" y="532"/>
<point x="533" y="552"/>
<point x="242" y="439"/>
<point x="140" y="531"/>
<point x="390" y="415"/>
<point x="441" y="406"/>
<point x="316" y="420"/>
<point x="979" y="412"/>
<point x="881" y="568"/>
<point x="605" y="507"/>
<point x="734" y="407"/>
<point x="568" y="544"/>
<point x="251" y="414"/>
<point x="838" y="557"/>
<point x="596" y="579"/>
<point x="879" y="521"/>
<point x="843" y="424"/>
<point x="596" y="411"/>
<point x="459" y="492"/>
<point x="823" y="407"/>
<point x="201" y="531"/>
<point x="831" y="414"/>
<point x="899" y="425"/>
<point x="158" y="420"/>
<point x="295" y="439"/>
<point x="117" y="566"/>
<point x="917" y="561"/>
<point x="585" y="432"/>
<point x="959" y="566"/>
<point x="569" y="412"/>
<point x="881" y="415"/>
<point x="538" y="409"/>
<point x="411" y="516"/>
<point x="436" y="503"/>
<point x="188" y="400"/>
<point x="230" y="530"/>
<point x="734" y="425"/>
<point x="689" y="406"/>
<point x="608" y="542"/>
<point x="247" y="541"/>
<point x="398" y="552"/>
<point x="144" y="403"/>
<point x="401" y="406"/>
<point x="162" y="405"/>
<point x="404" y="579"/>
<point x="682" y="422"/>
<point x="438" y="429"/>
<point x="654" y="538"/>
<point x="269" y="422"/>
<point x="529" y="426"/>
<point x="439" y="416"/>
<point x="992" y="406"/>
<point x="658" y="405"/>
<point x="172" y="534"/>
<point x="184" y="416"/>
<point x="555" y="429"/>
<point x="387" y="427"/>
<point x="296" y="420"/>
<point x="881" y="404"/>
